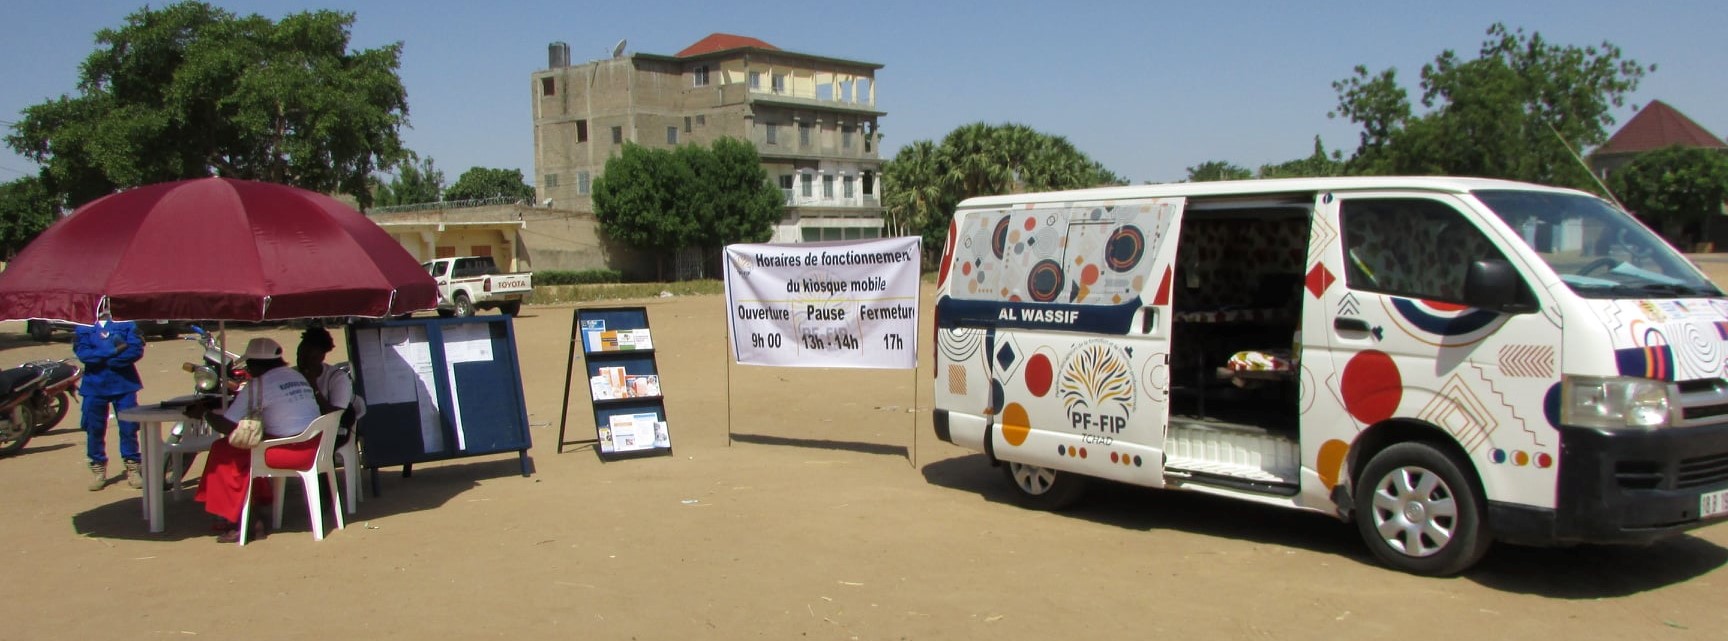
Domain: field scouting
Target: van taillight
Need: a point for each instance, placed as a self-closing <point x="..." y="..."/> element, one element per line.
<point x="487" y="286"/>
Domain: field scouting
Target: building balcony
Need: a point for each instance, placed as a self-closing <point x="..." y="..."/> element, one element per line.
<point x="796" y="198"/>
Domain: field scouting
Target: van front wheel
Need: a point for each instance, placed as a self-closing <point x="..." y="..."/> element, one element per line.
<point x="1419" y="512"/>
<point x="1042" y="488"/>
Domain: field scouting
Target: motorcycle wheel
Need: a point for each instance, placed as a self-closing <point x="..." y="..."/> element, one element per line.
<point x="15" y="430"/>
<point x="54" y="411"/>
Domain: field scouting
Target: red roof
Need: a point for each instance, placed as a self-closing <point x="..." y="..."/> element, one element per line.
<point x="1658" y="125"/>
<point x="721" y="42"/>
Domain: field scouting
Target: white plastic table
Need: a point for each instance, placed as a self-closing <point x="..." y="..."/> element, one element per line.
<point x="150" y="418"/>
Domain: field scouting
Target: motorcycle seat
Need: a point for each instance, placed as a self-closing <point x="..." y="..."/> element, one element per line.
<point x="12" y="379"/>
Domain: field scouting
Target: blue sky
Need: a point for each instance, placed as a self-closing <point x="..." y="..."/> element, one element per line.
<point x="1146" y="89"/>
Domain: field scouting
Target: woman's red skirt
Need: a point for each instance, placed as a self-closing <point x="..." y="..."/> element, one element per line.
<point x="227" y="468"/>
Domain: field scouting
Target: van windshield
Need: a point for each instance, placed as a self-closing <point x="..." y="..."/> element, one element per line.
<point x="1598" y="250"/>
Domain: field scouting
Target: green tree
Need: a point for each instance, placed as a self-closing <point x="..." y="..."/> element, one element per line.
<point x="746" y="206"/>
<point x="1217" y="170"/>
<point x="1318" y="163"/>
<point x="190" y="90"/>
<point x="924" y="182"/>
<point x="415" y="182"/>
<point x="1677" y="190"/>
<point x="483" y="182"/>
<point x="692" y="196"/>
<point x="636" y="202"/>
<point x="26" y="208"/>
<point x="1516" y="111"/>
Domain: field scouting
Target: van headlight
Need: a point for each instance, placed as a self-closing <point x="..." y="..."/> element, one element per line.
<point x="1617" y="402"/>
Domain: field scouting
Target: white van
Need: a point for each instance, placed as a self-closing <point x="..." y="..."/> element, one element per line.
<point x="1447" y="361"/>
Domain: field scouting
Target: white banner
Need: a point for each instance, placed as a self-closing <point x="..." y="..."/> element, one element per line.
<point x="834" y="304"/>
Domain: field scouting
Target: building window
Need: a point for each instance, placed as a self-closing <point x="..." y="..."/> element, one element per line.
<point x="773" y="132"/>
<point x="786" y="182"/>
<point x="828" y="187"/>
<point x="845" y="137"/>
<point x="617" y="135"/>
<point x="582" y="182"/>
<point x="686" y="124"/>
<point x="548" y="87"/>
<point x="804" y="134"/>
<point x="671" y="135"/>
<point x="551" y="180"/>
<point x="702" y="76"/>
<point x="809" y="184"/>
<point x="869" y="183"/>
<point x="755" y="81"/>
<point x="701" y="120"/>
<point x="846" y="186"/>
<point x="779" y="83"/>
<point x="581" y="131"/>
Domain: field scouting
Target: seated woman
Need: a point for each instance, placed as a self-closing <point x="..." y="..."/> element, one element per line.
<point x="287" y="405"/>
<point x="333" y="385"/>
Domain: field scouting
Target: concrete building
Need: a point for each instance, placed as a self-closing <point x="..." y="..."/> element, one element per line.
<point x="813" y="120"/>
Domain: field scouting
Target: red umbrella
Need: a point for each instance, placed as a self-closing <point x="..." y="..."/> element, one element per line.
<point x="214" y="249"/>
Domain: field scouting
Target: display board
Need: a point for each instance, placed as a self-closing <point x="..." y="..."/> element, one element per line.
<point x="623" y="382"/>
<point x="438" y="389"/>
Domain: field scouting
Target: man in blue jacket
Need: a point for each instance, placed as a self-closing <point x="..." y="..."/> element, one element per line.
<point x="109" y="350"/>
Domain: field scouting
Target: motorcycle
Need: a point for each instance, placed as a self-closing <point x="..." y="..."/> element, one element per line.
<point x="207" y="378"/>
<point x="19" y="388"/>
<point x="55" y="400"/>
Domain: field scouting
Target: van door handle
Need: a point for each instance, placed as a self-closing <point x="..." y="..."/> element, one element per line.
<point x="1350" y="325"/>
<point x="1148" y="319"/>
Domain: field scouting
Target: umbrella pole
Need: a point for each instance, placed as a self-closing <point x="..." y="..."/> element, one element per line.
<point x="222" y="362"/>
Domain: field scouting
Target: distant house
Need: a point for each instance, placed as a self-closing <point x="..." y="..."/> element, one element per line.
<point x="1655" y="126"/>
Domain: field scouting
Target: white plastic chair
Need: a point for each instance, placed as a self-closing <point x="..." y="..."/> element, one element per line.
<point x="326" y="426"/>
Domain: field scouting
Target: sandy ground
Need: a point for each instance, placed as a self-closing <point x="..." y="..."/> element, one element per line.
<point x="810" y="521"/>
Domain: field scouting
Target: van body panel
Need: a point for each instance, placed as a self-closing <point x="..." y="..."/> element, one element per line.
<point x="1412" y="351"/>
<point x="1053" y="332"/>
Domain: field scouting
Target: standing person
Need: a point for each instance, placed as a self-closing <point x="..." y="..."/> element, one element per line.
<point x="109" y="351"/>
<point x="287" y="405"/>
<point x="333" y="385"/>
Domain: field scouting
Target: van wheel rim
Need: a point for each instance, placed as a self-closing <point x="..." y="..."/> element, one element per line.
<point x="1415" y="511"/>
<point x="1032" y="479"/>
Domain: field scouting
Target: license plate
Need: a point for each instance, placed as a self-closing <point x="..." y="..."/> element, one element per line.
<point x="1713" y="504"/>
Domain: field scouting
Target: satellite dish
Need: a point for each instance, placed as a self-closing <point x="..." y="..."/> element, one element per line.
<point x="618" y="49"/>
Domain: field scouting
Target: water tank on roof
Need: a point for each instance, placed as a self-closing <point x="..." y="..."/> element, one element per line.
<point x="557" y="55"/>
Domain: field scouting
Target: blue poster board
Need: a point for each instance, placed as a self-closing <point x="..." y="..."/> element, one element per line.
<point x="438" y="389"/>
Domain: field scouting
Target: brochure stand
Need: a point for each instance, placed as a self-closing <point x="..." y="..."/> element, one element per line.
<point x="622" y="380"/>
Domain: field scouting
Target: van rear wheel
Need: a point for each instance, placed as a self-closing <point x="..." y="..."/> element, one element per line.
<point x="1042" y="488"/>
<point x="1419" y="511"/>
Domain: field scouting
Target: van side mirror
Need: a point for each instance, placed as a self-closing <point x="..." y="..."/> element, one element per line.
<point x="1494" y="285"/>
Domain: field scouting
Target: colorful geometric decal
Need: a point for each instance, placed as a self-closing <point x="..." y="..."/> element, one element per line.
<point x="1520" y="458"/>
<point x="1039" y="374"/>
<point x="1016" y="425"/>
<point x="1125" y="249"/>
<point x="999" y="238"/>
<point x="1044" y="281"/>
<point x="1096" y="378"/>
<point x="1722" y="329"/>
<point x="1458" y="410"/>
<point x="1527" y="361"/>
<point x="1330" y="462"/>
<point x="1443" y="319"/>
<point x="1163" y="296"/>
<point x="956" y="379"/>
<point x="1318" y="280"/>
<point x="1655" y="362"/>
<point x="1372" y="388"/>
